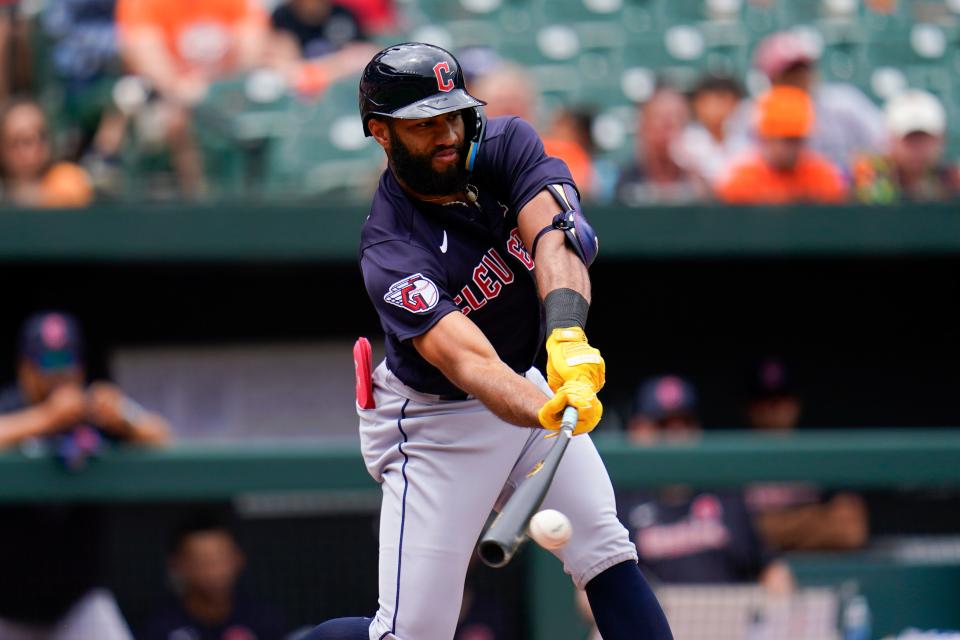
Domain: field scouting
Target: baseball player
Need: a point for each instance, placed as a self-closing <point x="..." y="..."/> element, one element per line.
<point x="455" y="416"/>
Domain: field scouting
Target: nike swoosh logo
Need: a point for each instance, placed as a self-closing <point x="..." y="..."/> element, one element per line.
<point x="443" y="245"/>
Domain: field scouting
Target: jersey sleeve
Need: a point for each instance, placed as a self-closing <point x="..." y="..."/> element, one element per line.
<point x="517" y="160"/>
<point x="407" y="286"/>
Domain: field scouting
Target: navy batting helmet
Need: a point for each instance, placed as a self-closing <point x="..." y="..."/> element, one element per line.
<point x="417" y="80"/>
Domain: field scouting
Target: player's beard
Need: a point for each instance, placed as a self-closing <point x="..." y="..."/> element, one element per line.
<point x="417" y="172"/>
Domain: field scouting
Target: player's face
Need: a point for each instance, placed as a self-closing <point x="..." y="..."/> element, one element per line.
<point x="800" y="75"/>
<point x="778" y="413"/>
<point x="428" y="154"/>
<point x="37" y="384"/>
<point x="208" y="563"/>
<point x="712" y="108"/>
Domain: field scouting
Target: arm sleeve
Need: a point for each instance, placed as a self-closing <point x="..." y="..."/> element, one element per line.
<point x="407" y="286"/>
<point x="519" y="161"/>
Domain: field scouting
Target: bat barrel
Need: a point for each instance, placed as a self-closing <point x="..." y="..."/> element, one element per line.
<point x="508" y="530"/>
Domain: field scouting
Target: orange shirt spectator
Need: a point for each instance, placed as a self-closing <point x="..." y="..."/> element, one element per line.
<point x="783" y="169"/>
<point x="577" y="159"/>
<point x="198" y="34"/>
<point x="755" y="181"/>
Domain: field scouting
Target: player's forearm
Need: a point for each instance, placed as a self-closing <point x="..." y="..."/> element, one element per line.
<point x="146" y="55"/>
<point x="559" y="268"/>
<point x="18" y="426"/>
<point x="510" y="396"/>
<point x="150" y="430"/>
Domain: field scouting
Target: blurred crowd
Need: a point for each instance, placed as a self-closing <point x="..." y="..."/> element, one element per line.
<point x="124" y="80"/>
<point x="799" y="140"/>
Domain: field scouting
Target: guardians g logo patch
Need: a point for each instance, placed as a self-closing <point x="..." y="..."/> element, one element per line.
<point x="416" y="294"/>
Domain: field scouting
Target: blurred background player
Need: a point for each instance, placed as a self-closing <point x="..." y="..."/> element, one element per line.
<point x="914" y="169"/>
<point x="796" y="515"/>
<point x="685" y="535"/>
<point x="205" y="564"/>
<point x="51" y="396"/>
<point x="663" y="408"/>
<point x="51" y="554"/>
<point x="782" y="168"/>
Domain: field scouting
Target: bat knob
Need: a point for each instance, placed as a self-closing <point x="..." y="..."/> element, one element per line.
<point x="493" y="554"/>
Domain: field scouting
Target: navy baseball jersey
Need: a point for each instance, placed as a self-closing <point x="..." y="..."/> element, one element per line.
<point x="696" y="538"/>
<point x="421" y="261"/>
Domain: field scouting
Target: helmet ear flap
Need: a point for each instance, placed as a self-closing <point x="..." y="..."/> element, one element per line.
<point x="475" y="121"/>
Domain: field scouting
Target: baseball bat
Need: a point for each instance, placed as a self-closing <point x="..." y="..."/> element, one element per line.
<point x="508" y="530"/>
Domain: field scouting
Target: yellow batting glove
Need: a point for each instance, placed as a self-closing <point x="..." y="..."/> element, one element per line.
<point x="570" y="357"/>
<point x="575" y="393"/>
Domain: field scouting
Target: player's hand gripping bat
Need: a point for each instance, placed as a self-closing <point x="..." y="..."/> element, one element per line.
<point x="508" y="530"/>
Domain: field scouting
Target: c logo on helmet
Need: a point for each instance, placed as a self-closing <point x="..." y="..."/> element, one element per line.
<point x="442" y="70"/>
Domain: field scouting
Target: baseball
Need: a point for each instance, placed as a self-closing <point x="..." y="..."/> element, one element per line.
<point x="550" y="529"/>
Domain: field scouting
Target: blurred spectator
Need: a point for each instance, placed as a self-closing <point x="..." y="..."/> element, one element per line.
<point x="704" y="147"/>
<point x="314" y="28"/>
<point x="204" y="564"/>
<point x="568" y="137"/>
<point x="376" y="16"/>
<point x="49" y="398"/>
<point x="796" y="515"/>
<point x="15" y="54"/>
<point x="85" y="59"/>
<point x="847" y="122"/>
<point x="684" y="535"/>
<point x="29" y="176"/>
<point x="914" y="169"/>
<point x="782" y="169"/>
<point x="656" y="176"/>
<point x="317" y="42"/>
<point x="508" y="91"/>
<point x="182" y="47"/>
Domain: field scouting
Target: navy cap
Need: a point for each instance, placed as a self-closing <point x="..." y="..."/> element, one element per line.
<point x="770" y="377"/>
<point x="52" y="340"/>
<point x="665" y="396"/>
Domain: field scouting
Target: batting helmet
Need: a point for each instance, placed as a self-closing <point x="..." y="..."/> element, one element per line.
<point x="417" y="80"/>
